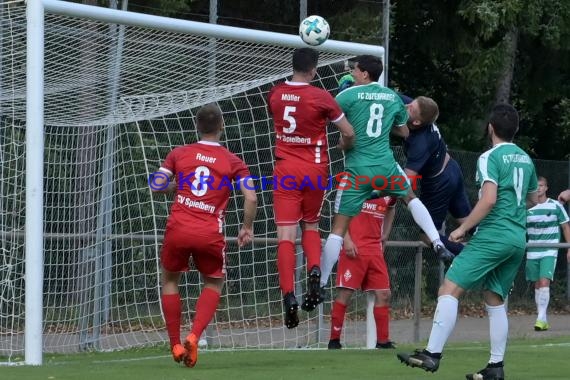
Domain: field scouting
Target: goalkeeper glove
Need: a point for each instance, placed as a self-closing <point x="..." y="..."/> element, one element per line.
<point x="374" y="195"/>
<point x="345" y="82"/>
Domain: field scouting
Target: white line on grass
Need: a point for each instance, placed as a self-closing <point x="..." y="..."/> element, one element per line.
<point x="10" y="364"/>
<point x="130" y="359"/>
<point x="475" y="346"/>
<point x="565" y="344"/>
<point x="485" y="346"/>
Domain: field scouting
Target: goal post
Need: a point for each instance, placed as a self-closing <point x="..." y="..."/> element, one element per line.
<point x="92" y="227"/>
<point x="34" y="242"/>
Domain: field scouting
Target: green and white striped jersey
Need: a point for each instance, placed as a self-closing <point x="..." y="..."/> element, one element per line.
<point x="543" y="226"/>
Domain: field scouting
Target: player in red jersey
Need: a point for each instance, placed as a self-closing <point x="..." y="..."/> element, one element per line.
<point x="201" y="175"/>
<point x="300" y="114"/>
<point x="362" y="265"/>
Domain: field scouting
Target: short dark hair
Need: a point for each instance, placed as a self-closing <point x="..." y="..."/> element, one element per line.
<point x="305" y="59"/>
<point x="505" y="121"/>
<point x="541" y="178"/>
<point x="371" y="64"/>
<point x="209" y="119"/>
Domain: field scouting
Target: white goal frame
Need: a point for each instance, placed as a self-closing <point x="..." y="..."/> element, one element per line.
<point x="34" y="223"/>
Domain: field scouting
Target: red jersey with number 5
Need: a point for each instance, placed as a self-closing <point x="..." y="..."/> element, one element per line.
<point x="300" y="115"/>
<point x="204" y="173"/>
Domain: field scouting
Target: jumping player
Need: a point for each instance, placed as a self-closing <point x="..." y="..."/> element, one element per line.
<point x="300" y="114"/>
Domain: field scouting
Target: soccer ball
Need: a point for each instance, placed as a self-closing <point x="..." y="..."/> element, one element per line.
<point x="314" y="30"/>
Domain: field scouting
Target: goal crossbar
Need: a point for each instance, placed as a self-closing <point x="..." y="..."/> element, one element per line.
<point x="199" y="28"/>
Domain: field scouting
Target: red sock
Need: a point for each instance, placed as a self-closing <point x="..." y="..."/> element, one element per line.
<point x="382" y="319"/>
<point x="337" y="319"/>
<point x="172" y="309"/>
<point x="311" y="242"/>
<point x="286" y="265"/>
<point x="205" y="309"/>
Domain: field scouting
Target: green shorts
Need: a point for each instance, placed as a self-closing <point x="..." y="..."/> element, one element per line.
<point x="357" y="183"/>
<point x="540" y="268"/>
<point x="487" y="264"/>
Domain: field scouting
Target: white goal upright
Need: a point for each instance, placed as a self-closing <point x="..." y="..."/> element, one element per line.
<point x="92" y="99"/>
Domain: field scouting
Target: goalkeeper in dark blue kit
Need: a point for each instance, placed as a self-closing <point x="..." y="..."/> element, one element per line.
<point x="442" y="185"/>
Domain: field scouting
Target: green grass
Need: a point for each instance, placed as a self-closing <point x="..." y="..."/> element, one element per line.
<point x="526" y="359"/>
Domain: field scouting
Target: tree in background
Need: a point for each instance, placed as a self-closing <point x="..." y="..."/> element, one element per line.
<point x="467" y="55"/>
<point x="471" y="54"/>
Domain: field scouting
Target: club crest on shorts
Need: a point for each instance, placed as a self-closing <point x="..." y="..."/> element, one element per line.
<point x="347" y="275"/>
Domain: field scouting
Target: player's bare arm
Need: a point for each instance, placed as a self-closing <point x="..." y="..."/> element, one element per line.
<point x="410" y="173"/>
<point x="484" y="205"/>
<point x="566" y="232"/>
<point x="564" y="196"/>
<point x="159" y="181"/>
<point x="349" y="246"/>
<point x="531" y="199"/>
<point x="346" y="133"/>
<point x="245" y="235"/>
<point x="401" y="131"/>
<point x="388" y="222"/>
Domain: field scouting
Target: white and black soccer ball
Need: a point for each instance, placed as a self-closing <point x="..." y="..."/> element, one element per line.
<point x="314" y="30"/>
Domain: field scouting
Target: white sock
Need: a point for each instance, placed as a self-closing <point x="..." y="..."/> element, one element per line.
<point x="423" y="219"/>
<point x="443" y="323"/>
<point x="330" y="256"/>
<point x="543" y="298"/>
<point x="498" y="332"/>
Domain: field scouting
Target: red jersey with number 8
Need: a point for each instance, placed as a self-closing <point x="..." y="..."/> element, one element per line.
<point x="204" y="173"/>
<point x="300" y="114"/>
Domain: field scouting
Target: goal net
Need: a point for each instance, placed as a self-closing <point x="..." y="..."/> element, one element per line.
<point x="117" y="99"/>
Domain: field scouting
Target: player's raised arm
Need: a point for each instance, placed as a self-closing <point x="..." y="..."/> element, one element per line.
<point x="401" y="131"/>
<point x="346" y="132"/>
<point x="410" y="173"/>
<point x="400" y="121"/>
<point x="245" y="235"/>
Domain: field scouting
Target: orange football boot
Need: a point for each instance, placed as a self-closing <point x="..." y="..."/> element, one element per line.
<point x="191" y="346"/>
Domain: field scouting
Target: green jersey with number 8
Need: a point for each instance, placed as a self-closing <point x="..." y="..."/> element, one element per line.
<point x="512" y="170"/>
<point x="372" y="110"/>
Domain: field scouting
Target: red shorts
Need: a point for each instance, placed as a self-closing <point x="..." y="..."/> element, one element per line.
<point x="208" y="252"/>
<point x="298" y="192"/>
<point x="365" y="271"/>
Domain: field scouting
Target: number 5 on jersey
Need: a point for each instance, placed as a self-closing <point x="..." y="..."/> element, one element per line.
<point x="288" y="117"/>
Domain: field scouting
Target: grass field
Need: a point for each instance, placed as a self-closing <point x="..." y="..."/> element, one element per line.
<point x="543" y="359"/>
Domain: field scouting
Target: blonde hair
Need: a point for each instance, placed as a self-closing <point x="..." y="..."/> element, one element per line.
<point x="429" y="111"/>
